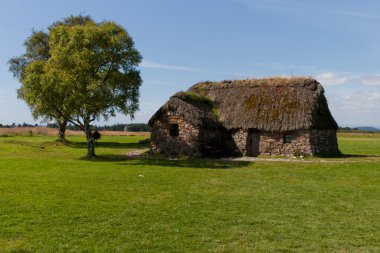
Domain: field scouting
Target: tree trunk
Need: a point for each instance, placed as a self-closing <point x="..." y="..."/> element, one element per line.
<point x="62" y="129"/>
<point x="90" y="143"/>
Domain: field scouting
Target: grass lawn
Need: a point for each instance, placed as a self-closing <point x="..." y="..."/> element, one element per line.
<point x="52" y="200"/>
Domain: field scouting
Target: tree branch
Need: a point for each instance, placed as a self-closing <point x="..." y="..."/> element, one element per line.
<point x="108" y="72"/>
<point x="77" y="124"/>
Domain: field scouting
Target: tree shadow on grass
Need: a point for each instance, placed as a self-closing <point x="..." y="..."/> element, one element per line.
<point x="125" y="160"/>
<point x="347" y="156"/>
<point x="108" y="158"/>
<point x="113" y="145"/>
<point x="189" y="163"/>
<point x="360" y="156"/>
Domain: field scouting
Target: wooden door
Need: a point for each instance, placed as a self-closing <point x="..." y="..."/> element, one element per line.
<point x="253" y="143"/>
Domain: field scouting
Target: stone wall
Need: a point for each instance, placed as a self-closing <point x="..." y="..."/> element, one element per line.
<point x="324" y="141"/>
<point x="240" y="137"/>
<point x="186" y="143"/>
<point x="272" y="143"/>
<point x="217" y="142"/>
<point x="194" y="141"/>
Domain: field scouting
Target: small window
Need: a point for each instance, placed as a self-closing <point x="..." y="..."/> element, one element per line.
<point x="288" y="138"/>
<point x="174" y="130"/>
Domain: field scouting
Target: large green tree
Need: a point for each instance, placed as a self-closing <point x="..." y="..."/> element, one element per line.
<point x="91" y="73"/>
<point x="35" y="94"/>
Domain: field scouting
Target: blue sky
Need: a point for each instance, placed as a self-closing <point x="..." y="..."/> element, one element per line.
<point x="184" y="42"/>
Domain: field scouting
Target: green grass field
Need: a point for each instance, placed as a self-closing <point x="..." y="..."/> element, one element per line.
<point x="52" y="200"/>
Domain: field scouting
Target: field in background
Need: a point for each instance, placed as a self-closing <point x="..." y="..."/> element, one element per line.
<point x="52" y="200"/>
<point x="360" y="144"/>
<point x="30" y="131"/>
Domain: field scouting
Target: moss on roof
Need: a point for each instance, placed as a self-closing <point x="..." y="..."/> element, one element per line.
<point x="196" y="108"/>
<point x="271" y="104"/>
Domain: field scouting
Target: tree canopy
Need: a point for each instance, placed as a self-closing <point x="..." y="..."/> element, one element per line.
<point x="35" y="94"/>
<point x="80" y="71"/>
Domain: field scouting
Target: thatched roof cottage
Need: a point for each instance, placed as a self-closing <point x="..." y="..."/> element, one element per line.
<point x="273" y="116"/>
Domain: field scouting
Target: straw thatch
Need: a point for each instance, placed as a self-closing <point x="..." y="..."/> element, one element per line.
<point x="198" y="110"/>
<point x="272" y="104"/>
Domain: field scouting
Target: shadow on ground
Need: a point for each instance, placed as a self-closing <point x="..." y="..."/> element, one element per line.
<point x="113" y="145"/>
<point x="359" y="156"/>
<point x="348" y="156"/>
<point x="125" y="160"/>
<point x="190" y="163"/>
<point x="146" y="160"/>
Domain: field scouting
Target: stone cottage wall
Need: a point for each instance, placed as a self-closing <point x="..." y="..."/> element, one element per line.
<point x="240" y="137"/>
<point x="272" y="143"/>
<point x="217" y="142"/>
<point x="324" y="141"/>
<point x="185" y="143"/>
<point x="191" y="140"/>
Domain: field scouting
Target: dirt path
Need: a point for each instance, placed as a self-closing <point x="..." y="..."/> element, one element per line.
<point x="255" y="159"/>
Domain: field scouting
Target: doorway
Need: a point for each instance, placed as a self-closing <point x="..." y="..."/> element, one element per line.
<point x="253" y="145"/>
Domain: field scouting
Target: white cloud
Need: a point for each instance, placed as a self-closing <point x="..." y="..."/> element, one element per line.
<point x="155" y="65"/>
<point x="360" y="100"/>
<point x="363" y="102"/>
<point x="371" y="80"/>
<point x="356" y="108"/>
<point x="330" y="78"/>
<point x="275" y="5"/>
<point x="302" y="9"/>
<point x="325" y="78"/>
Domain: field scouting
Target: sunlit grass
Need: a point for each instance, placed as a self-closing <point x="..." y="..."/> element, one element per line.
<point x="52" y="200"/>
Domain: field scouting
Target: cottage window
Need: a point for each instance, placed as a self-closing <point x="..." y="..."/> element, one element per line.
<point x="288" y="138"/>
<point x="174" y="130"/>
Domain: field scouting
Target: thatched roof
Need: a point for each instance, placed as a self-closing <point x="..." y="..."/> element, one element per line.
<point x="271" y="104"/>
<point x="198" y="110"/>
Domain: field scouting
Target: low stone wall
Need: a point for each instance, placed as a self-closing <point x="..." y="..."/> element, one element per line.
<point x="185" y="143"/>
<point x="324" y="141"/>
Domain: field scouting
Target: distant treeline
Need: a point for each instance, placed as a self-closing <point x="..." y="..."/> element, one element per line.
<point x="356" y="130"/>
<point x="13" y="125"/>
<point x="135" y="127"/>
<point x="347" y="129"/>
